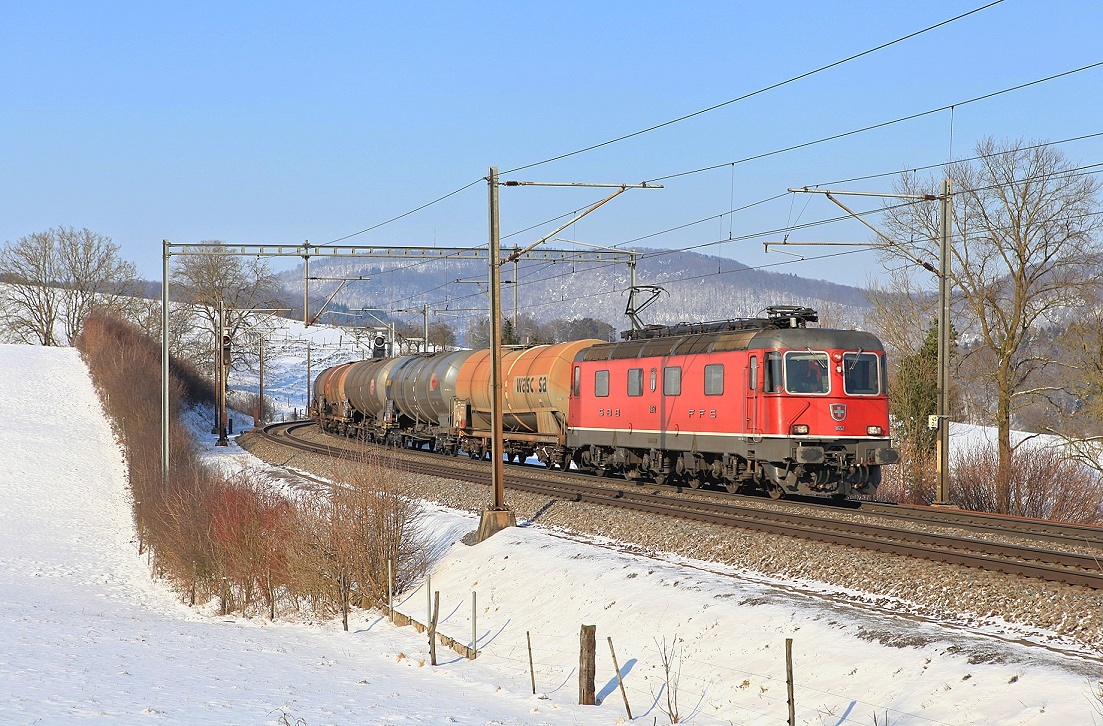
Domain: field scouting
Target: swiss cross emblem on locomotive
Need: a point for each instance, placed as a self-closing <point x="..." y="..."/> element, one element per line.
<point x="838" y="411"/>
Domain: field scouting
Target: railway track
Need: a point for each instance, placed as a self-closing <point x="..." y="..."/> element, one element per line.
<point x="894" y="530"/>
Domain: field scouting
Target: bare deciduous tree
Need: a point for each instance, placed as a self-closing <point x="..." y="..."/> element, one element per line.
<point x="94" y="277"/>
<point x="1024" y="249"/>
<point x="60" y="276"/>
<point x="33" y="302"/>
<point x="200" y="282"/>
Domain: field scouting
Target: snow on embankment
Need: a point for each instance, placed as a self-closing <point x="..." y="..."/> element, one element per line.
<point x="85" y="633"/>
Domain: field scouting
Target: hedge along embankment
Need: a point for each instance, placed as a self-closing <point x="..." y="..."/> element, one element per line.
<point x="212" y="535"/>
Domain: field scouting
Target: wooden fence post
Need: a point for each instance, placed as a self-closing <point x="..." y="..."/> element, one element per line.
<point x="619" y="679"/>
<point x="474" y="630"/>
<point x="433" y="629"/>
<point x="789" y="681"/>
<point x="532" y="671"/>
<point x="390" y="589"/>
<point x="587" y="671"/>
<point x="428" y="599"/>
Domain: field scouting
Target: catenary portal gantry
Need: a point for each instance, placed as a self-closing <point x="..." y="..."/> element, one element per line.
<point x="353" y="251"/>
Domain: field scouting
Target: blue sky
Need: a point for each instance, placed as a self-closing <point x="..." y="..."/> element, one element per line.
<point x="279" y="122"/>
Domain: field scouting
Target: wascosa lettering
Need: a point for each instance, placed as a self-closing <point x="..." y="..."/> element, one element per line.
<point x="531" y="384"/>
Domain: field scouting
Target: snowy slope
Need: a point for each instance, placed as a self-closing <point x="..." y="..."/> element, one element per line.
<point x="85" y="633"/>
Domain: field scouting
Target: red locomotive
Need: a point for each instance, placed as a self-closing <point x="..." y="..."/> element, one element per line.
<point x="761" y="403"/>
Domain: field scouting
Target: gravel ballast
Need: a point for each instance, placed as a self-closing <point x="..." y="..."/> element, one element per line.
<point x="1050" y="613"/>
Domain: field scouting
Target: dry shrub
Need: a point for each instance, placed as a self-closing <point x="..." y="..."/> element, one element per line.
<point x="913" y="480"/>
<point x="227" y="537"/>
<point x="1044" y="484"/>
<point x="250" y="403"/>
<point x="352" y="532"/>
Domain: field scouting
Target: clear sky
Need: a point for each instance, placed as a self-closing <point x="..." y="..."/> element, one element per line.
<point x="274" y="122"/>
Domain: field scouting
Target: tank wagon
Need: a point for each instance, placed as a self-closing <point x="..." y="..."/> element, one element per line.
<point x="761" y="403"/>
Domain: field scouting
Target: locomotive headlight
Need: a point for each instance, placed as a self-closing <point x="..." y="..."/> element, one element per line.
<point x="800" y="429"/>
<point x="874" y="430"/>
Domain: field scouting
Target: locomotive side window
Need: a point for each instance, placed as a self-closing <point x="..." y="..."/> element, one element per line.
<point x="860" y="374"/>
<point x="601" y="384"/>
<point x="714" y="379"/>
<point x="576" y="384"/>
<point x="653" y="376"/>
<point x="672" y="381"/>
<point x="635" y="381"/>
<point x="752" y="383"/>
<point x="774" y="376"/>
<point x="806" y="372"/>
<point x="884" y="375"/>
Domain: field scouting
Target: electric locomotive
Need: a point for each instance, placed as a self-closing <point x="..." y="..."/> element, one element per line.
<point x="764" y="403"/>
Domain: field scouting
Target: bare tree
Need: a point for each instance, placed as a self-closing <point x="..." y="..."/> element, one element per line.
<point x="58" y="277"/>
<point x="200" y="282"/>
<point x="93" y="276"/>
<point x="33" y="302"/>
<point x="1024" y="250"/>
<point x="442" y="336"/>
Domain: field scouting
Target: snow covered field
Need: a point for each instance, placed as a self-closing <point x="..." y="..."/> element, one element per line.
<point x="86" y="634"/>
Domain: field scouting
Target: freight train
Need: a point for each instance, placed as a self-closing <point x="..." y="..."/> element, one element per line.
<point x="767" y="404"/>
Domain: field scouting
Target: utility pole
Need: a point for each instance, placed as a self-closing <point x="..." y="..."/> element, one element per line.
<point x="165" y="256"/>
<point x="307" y="408"/>
<point x="499" y="516"/>
<point x="260" y="385"/>
<point x="941" y="420"/>
<point x="516" y="286"/>
<point x="943" y="445"/>
<point x="223" y="355"/>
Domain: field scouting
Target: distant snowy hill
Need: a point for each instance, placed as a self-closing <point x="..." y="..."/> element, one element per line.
<point x="697" y="288"/>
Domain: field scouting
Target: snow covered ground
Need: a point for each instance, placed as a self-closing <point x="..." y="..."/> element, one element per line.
<point x="86" y="634"/>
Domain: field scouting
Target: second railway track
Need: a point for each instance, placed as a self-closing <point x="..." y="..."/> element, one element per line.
<point x="1083" y="567"/>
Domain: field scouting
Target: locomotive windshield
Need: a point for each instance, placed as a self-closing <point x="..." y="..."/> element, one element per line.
<point x="806" y="371"/>
<point x="860" y="376"/>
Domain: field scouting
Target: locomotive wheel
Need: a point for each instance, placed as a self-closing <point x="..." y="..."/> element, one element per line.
<point x="694" y="482"/>
<point x="774" y="490"/>
<point x="661" y="478"/>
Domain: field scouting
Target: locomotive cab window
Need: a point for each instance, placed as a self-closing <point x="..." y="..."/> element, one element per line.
<point x="576" y="383"/>
<point x="714" y="379"/>
<point x="672" y="381"/>
<point x="774" y="377"/>
<point x="807" y="371"/>
<point x="752" y="375"/>
<point x="601" y="384"/>
<point x="635" y="381"/>
<point x="860" y="374"/>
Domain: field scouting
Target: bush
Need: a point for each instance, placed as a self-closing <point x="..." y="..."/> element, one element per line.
<point x="222" y="536"/>
<point x="1044" y="484"/>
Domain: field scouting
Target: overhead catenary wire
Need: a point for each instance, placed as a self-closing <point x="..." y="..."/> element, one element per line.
<point x="1077" y="171"/>
<point x="671" y="122"/>
<point x="757" y="92"/>
<point x="872" y="127"/>
<point x="758" y="156"/>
